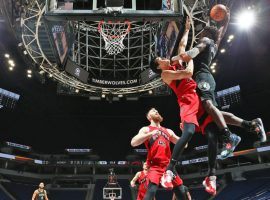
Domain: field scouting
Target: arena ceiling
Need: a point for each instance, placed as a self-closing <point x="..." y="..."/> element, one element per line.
<point x="50" y="123"/>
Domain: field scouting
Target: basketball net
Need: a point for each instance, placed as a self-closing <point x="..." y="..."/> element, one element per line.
<point x="114" y="34"/>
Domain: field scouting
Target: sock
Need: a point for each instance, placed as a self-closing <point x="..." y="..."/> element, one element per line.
<point x="246" y="124"/>
<point x="212" y="172"/>
<point x="172" y="165"/>
<point x="226" y="133"/>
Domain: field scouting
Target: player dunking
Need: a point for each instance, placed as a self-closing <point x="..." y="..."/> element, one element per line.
<point x="203" y="54"/>
<point x="157" y="141"/>
<point x="40" y="193"/>
<point x="179" y="79"/>
<point x="142" y="179"/>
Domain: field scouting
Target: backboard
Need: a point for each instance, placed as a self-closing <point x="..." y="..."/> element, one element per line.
<point x="138" y="10"/>
<point x="112" y="193"/>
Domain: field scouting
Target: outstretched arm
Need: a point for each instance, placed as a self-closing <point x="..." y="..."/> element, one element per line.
<point x="183" y="42"/>
<point x="222" y="30"/>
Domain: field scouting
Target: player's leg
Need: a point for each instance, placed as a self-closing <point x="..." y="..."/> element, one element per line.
<point x="151" y="191"/>
<point x="188" y="131"/>
<point x="210" y="181"/>
<point x="206" y="91"/>
<point x="255" y="125"/>
<point x="180" y="192"/>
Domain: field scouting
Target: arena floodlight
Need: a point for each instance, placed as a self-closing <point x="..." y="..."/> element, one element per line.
<point x="222" y="50"/>
<point x="11" y="62"/>
<point x="246" y="19"/>
<point x="7" y="55"/>
<point x="231" y="37"/>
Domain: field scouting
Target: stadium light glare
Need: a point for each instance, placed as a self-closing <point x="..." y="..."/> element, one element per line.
<point x="246" y="19"/>
<point x="222" y="50"/>
<point x="11" y="62"/>
<point x="231" y="37"/>
<point x="7" y="55"/>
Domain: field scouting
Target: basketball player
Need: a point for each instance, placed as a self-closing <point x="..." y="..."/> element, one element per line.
<point x="157" y="141"/>
<point x="203" y="54"/>
<point x="40" y="193"/>
<point x="141" y="178"/>
<point x="179" y="79"/>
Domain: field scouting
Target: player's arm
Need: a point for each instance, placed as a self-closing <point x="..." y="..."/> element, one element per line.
<point x="183" y="42"/>
<point x="34" y="195"/>
<point x="222" y="30"/>
<point x="46" y="197"/>
<point x="142" y="136"/>
<point x="173" y="137"/>
<point x="170" y="75"/>
<point x="135" y="178"/>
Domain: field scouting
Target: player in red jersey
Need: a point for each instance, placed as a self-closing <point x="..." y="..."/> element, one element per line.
<point x="179" y="79"/>
<point x="142" y="179"/>
<point x="157" y="141"/>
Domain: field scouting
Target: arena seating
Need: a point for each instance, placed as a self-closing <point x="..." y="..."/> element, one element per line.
<point x="249" y="189"/>
<point x="67" y="194"/>
<point x="20" y="191"/>
<point x="3" y="196"/>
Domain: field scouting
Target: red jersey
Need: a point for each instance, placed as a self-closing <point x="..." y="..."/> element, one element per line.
<point x="191" y="109"/>
<point x="184" y="86"/>
<point x="158" y="147"/>
<point x="187" y="97"/>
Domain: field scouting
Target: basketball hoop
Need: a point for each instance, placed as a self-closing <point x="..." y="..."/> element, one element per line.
<point x="114" y="34"/>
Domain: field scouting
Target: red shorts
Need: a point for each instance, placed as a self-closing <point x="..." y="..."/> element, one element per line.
<point x="192" y="111"/>
<point x="203" y="118"/>
<point x="141" y="194"/>
<point x="189" y="107"/>
<point x="155" y="173"/>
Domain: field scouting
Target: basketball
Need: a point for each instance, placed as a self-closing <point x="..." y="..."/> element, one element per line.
<point x="218" y="12"/>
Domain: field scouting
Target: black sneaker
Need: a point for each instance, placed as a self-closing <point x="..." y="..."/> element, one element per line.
<point x="229" y="146"/>
<point x="257" y="126"/>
